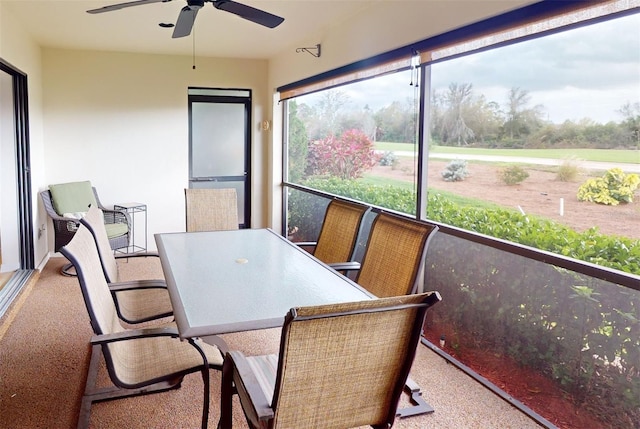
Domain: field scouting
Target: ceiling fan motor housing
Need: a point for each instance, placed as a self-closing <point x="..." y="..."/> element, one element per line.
<point x="195" y="4"/>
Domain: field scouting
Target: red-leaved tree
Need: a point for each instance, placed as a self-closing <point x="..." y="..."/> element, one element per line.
<point x="347" y="157"/>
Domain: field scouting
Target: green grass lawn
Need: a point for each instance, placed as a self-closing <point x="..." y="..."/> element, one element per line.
<point x="468" y="202"/>
<point x="383" y="181"/>
<point x="603" y="155"/>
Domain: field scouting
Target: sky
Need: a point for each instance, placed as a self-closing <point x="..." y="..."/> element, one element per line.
<point x="587" y="72"/>
<point x="590" y="72"/>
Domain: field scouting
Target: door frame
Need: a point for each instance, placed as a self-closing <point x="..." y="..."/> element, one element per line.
<point x="222" y="96"/>
<point x="23" y="184"/>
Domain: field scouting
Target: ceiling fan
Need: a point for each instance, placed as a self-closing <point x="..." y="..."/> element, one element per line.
<point x="187" y="15"/>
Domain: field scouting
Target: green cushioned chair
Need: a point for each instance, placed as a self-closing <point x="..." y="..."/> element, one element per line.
<point x="66" y="204"/>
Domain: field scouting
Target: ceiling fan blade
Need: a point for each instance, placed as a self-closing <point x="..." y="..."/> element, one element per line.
<point x="247" y="12"/>
<point x="185" y="21"/>
<point x="123" y="5"/>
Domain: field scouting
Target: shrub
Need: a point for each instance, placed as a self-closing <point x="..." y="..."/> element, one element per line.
<point x="455" y="171"/>
<point x="388" y="159"/>
<point x="513" y="175"/>
<point x="347" y="157"/>
<point x="568" y="171"/>
<point x="611" y="189"/>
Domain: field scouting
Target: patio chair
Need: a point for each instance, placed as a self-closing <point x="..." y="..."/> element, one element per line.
<point x="138" y="361"/>
<point x="340" y="228"/>
<point x="136" y="301"/>
<point x="66" y="203"/>
<point x="340" y="366"/>
<point x="211" y="209"/>
<point x="394" y="257"/>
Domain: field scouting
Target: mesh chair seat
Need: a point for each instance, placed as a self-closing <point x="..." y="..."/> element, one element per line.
<point x="140" y="301"/>
<point x="211" y="209"/>
<point x="136" y="300"/>
<point x="340" y="227"/>
<point x="152" y="359"/>
<point x="395" y="254"/>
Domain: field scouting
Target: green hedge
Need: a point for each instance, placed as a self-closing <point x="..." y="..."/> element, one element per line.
<point x="620" y="253"/>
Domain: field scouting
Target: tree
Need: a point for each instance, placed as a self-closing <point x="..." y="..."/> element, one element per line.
<point x="358" y="119"/>
<point x="631" y="114"/>
<point x="436" y="116"/>
<point x="298" y="144"/>
<point x="485" y="119"/>
<point x="521" y="121"/>
<point x="328" y="110"/>
<point x="454" y="126"/>
<point x="396" y="122"/>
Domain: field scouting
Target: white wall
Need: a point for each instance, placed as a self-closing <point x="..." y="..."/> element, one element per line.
<point x="18" y="49"/>
<point x="120" y="120"/>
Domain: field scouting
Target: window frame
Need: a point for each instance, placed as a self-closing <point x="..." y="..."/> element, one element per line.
<point x="542" y="10"/>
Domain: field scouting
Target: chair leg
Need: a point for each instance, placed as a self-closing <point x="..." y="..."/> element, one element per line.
<point x="226" y="395"/>
<point x="205" y="381"/>
<point x="419" y="407"/>
<point x="205" y="407"/>
<point x="94" y="394"/>
<point x="68" y="270"/>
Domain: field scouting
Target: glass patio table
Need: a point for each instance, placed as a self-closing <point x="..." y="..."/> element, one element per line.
<point x="230" y="281"/>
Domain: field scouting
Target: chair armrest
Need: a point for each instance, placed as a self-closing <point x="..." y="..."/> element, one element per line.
<point x="345" y="266"/>
<point x="250" y="392"/>
<point x="308" y="246"/>
<point x="61" y="222"/>
<point x="137" y="334"/>
<point x="115" y="216"/>
<point x="133" y="334"/>
<point x="149" y="284"/>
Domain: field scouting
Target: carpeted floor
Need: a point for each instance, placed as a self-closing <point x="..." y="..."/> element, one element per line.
<point x="44" y="356"/>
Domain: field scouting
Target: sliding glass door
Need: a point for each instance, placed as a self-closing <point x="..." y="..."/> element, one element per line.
<point x="16" y="230"/>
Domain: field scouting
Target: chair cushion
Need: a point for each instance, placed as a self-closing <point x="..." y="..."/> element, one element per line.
<point x="72" y="197"/>
<point x="116" y="229"/>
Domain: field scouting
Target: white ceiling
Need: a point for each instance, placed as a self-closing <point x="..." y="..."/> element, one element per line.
<point x="66" y="24"/>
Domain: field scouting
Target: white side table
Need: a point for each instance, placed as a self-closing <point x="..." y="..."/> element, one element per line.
<point x="135" y="211"/>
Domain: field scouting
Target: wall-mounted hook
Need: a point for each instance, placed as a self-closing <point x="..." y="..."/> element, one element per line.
<point x="309" y="50"/>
